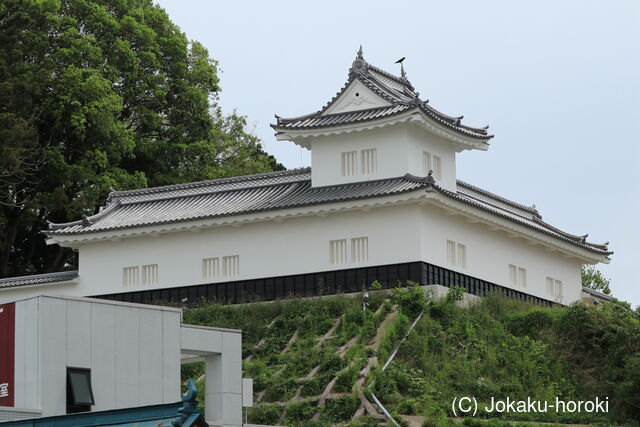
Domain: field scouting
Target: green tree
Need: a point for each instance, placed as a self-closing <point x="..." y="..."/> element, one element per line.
<point x="100" y="95"/>
<point x="593" y="278"/>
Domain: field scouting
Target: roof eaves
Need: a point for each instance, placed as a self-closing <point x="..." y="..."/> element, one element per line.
<point x="38" y="279"/>
<point x="114" y="199"/>
<point x="217" y="181"/>
<point x="598" y="294"/>
<point x="336" y="197"/>
<point x="530" y="209"/>
<point x="454" y="123"/>
<point x="551" y="231"/>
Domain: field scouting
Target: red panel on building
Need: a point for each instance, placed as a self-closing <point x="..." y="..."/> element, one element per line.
<point x="7" y="352"/>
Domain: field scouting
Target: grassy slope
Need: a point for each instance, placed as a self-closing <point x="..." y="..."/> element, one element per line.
<point x="314" y="360"/>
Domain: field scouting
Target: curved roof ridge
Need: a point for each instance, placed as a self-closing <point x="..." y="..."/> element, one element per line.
<point x="441" y="114"/>
<point x="394" y="95"/>
<point x="111" y="205"/>
<point x="285" y="120"/>
<point x="204" y="183"/>
<point x="496" y="196"/>
<point x="577" y="238"/>
<point x="542" y="226"/>
<point x="40" y="275"/>
<point x="114" y="200"/>
<point x="364" y="110"/>
<point x="400" y="80"/>
<point x="214" y="191"/>
<point x="38" y="279"/>
<point x="452" y="121"/>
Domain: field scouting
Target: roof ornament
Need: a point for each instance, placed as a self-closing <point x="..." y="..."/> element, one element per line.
<point x="86" y="221"/>
<point x="416" y="99"/>
<point x="189" y="404"/>
<point x="403" y="75"/>
<point x="430" y="179"/>
<point x="536" y="214"/>
<point x="359" y="66"/>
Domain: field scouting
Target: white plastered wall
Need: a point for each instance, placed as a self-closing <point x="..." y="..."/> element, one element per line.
<point x="399" y="151"/>
<point x="396" y="234"/>
<point x="356" y="97"/>
<point x="489" y="253"/>
<point x="266" y="249"/>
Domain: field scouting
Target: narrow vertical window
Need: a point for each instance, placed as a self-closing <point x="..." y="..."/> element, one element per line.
<point x="558" y="294"/>
<point x="462" y="256"/>
<point x="368" y="161"/>
<point x="513" y="275"/>
<point x="437" y="164"/>
<point x="426" y="157"/>
<point x="150" y="274"/>
<point x="550" y="290"/>
<point x="348" y="163"/>
<point x="231" y="265"/>
<point x="338" y="251"/>
<point x="522" y="277"/>
<point x="130" y="277"/>
<point x="210" y="268"/>
<point x="451" y="252"/>
<point x="360" y="249"/>
<point x="432" y="163"/>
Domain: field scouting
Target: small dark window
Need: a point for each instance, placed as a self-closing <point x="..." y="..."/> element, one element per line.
<point x="79" y="393"/>
<point x="357" y="93"/>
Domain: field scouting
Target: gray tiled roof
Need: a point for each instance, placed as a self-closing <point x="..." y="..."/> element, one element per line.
<point x="396" y="90"/>
<point x="281" y="190"/>
<point x="598" y="294"/>
<point x="38" y="279"/>
<point x="221" y="198"/>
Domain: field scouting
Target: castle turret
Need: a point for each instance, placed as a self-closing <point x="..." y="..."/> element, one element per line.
<point x="376" y="127"/>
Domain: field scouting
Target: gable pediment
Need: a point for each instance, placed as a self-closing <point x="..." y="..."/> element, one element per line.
<point x="356" y="97"/>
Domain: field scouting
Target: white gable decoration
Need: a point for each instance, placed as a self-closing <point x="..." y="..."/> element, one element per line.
<point x="356" y="97"/>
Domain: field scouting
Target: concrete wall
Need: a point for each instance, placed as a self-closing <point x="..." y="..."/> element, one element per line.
<point x="62" y="288"/>
<point x="133" y="353"/>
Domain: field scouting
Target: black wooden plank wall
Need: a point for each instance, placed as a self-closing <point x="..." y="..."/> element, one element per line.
<point x="324" y="283"/>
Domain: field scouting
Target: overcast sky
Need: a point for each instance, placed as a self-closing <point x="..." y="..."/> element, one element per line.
<point x="557" y="81"/>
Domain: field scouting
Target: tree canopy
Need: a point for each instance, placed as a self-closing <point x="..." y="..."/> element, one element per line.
<point x="100" y="95"/>
<point x="593" y="278"/>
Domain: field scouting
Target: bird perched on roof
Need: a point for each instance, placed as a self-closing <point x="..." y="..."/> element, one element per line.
<point x="399" y="61"/>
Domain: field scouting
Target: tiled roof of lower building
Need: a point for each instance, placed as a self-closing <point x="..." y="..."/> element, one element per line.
<point x="282" y="190"/>
<point x="598" y="294"/>
<point x="39" y="279"/>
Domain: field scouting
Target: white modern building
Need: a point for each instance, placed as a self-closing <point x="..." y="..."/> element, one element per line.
<point x="381" y="202"/>
<point x="61" y="355"/>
